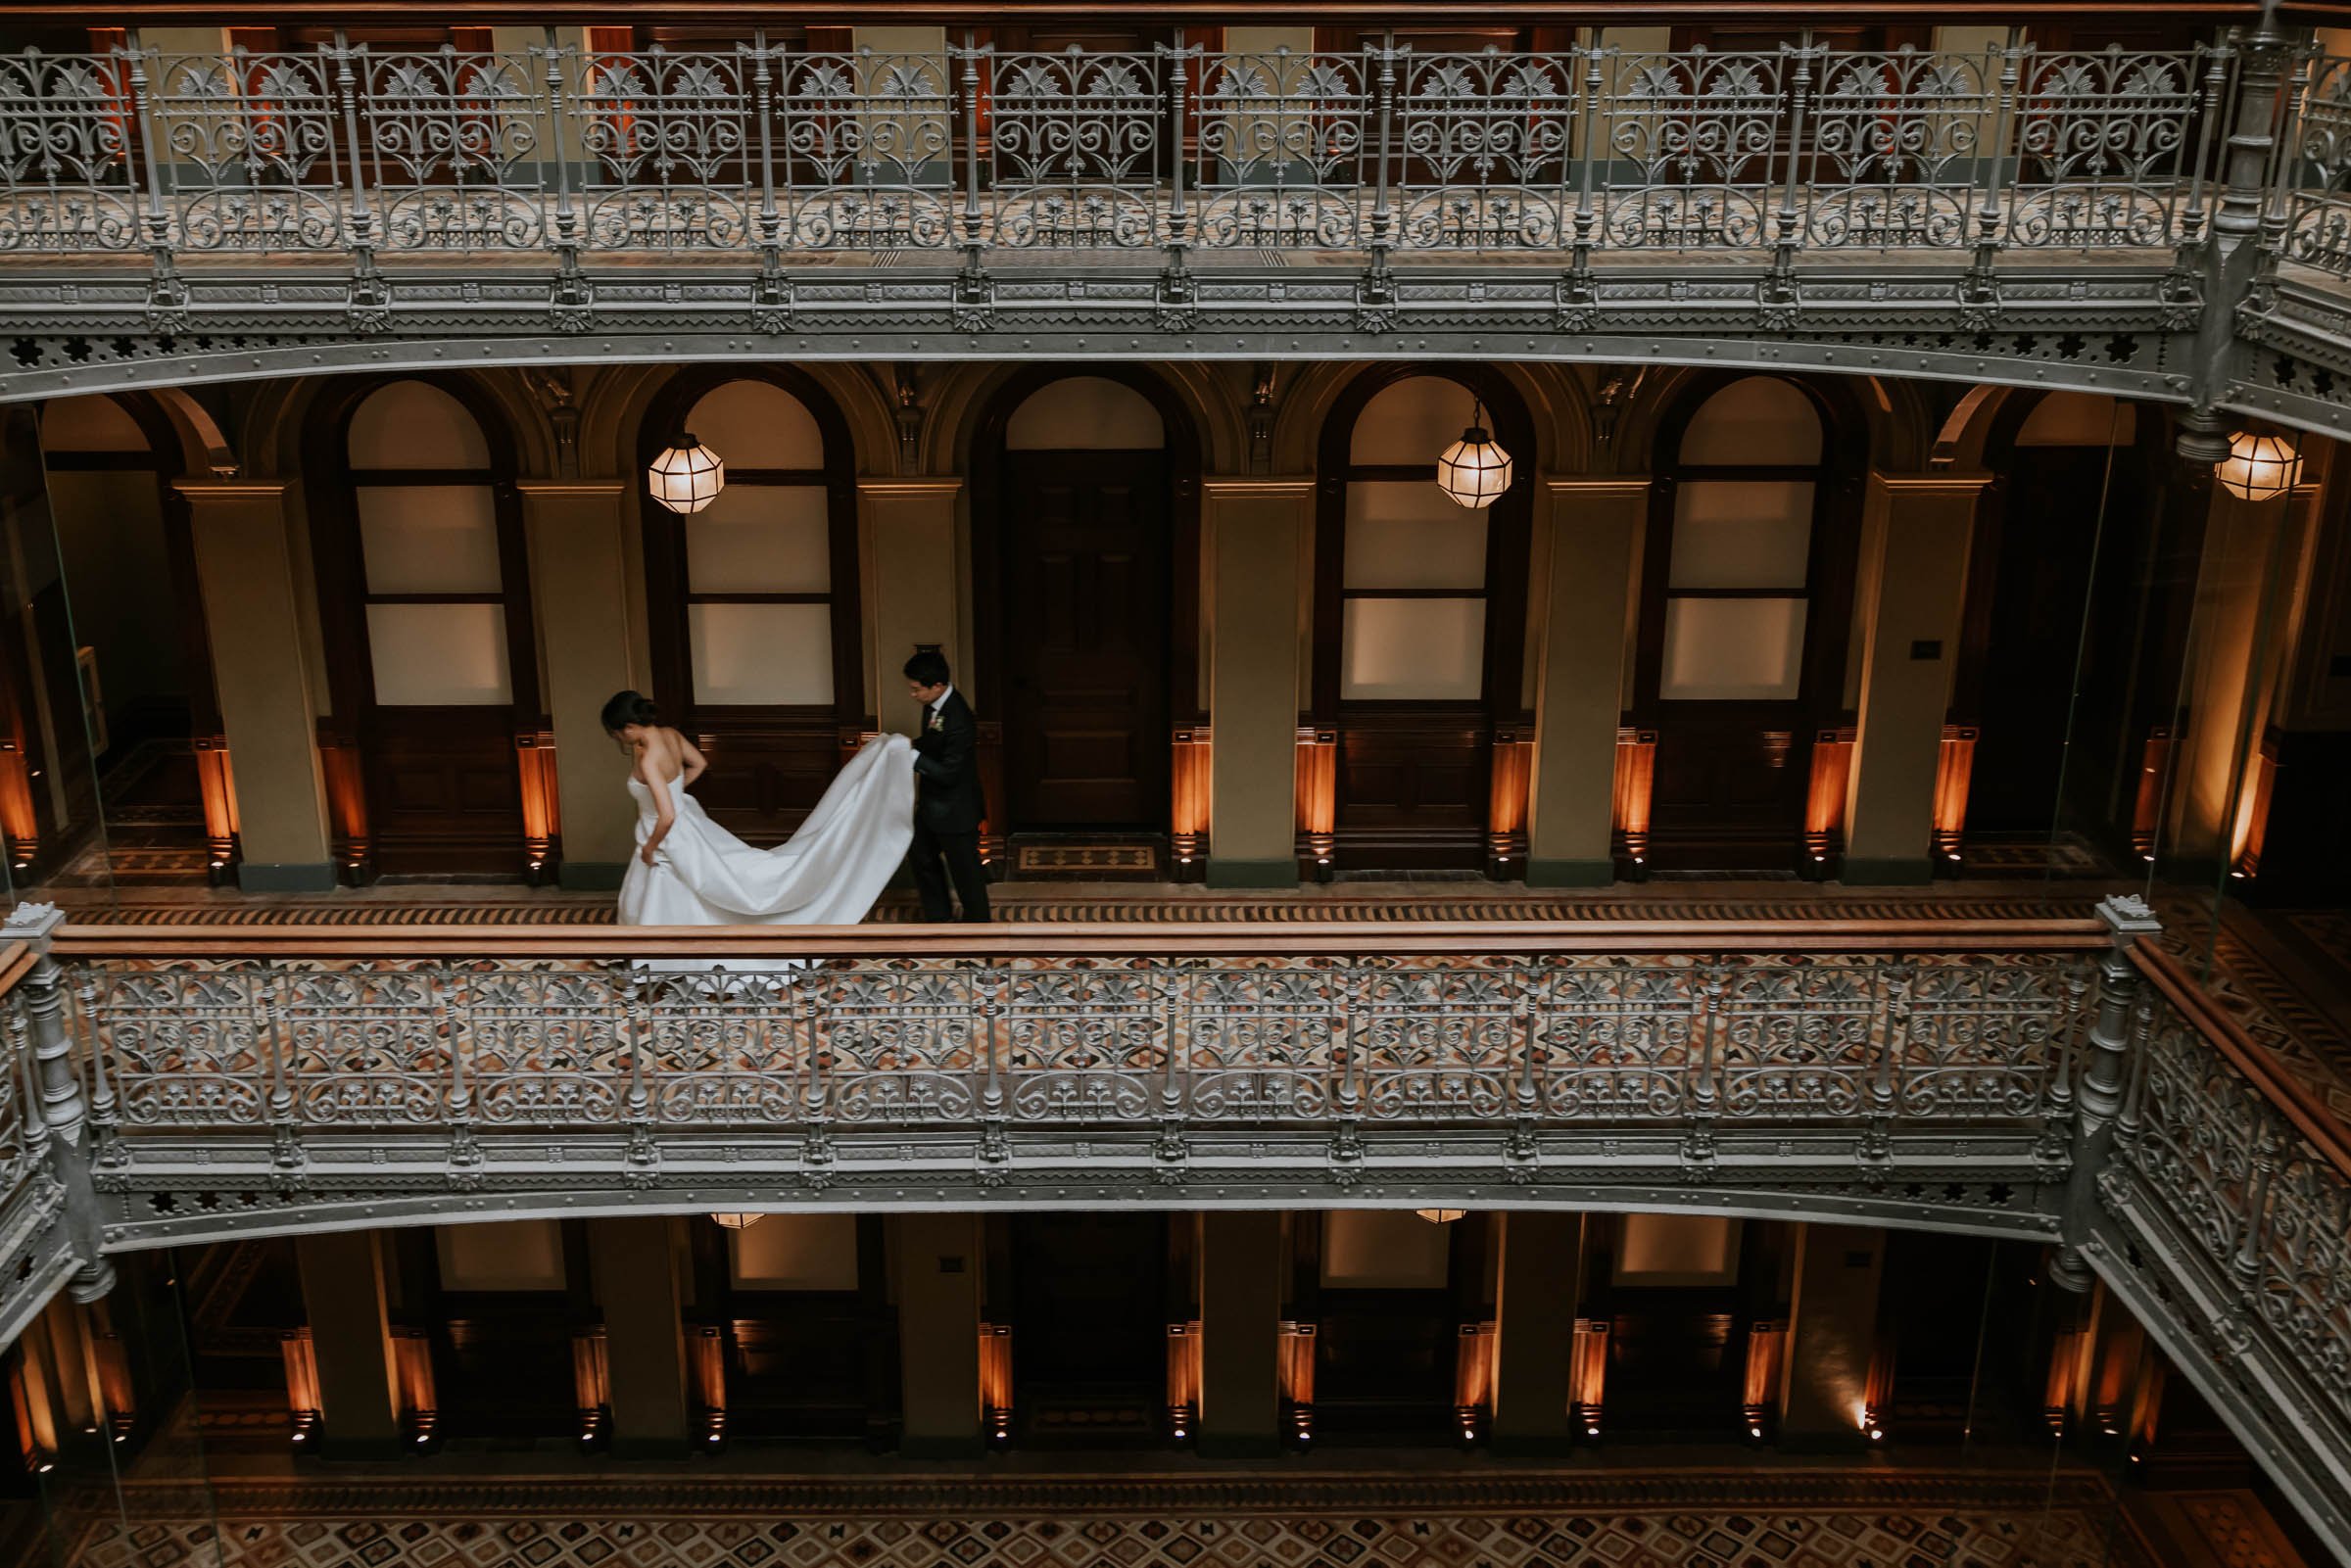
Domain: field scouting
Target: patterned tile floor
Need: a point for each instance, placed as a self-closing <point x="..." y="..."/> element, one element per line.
<point x="1847" y="1519"/>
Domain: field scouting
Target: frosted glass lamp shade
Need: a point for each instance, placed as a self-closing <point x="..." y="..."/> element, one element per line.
<point x="2259" y="467"/>
<point x="1473" y="470"/>
<point x="737" y="1221"/>
<point x="1440" y="1217"/>
<point x="686" y="476"/>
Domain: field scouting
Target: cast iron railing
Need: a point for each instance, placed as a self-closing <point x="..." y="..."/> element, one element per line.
<point x="244" y="1078"/>
<point x="771" y="150"/>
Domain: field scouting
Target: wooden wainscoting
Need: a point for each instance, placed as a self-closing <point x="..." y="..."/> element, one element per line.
<point x="768" y="767"/>
<point x="1415" y="786"/>
<point x="444" y="793"/>
<point x="1191" y="752"/>
<point x="1636" y="777"/>
<point x="1513" y="776"/>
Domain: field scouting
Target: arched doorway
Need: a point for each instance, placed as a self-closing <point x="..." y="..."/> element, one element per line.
<point x="1741" y="668"/>
<point x="753" y="602"/>
<point x="1419" y="625"/>
<point x="2068" y="507"/>
<point x="142" y="655"/>
<point x="424" y="591"/>
<point x="1085" y="551"/>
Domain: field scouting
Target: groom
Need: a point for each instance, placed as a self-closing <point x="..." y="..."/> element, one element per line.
<point x="948" y="802"/>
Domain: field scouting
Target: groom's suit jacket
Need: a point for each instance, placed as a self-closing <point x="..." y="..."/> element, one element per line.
<point x="948" y="798"/>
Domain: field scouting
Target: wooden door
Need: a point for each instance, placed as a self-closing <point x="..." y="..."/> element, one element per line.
<point x="1086" y="647"/>
<point x="2041" y="538"/>
<point x="1089" y="1323"/>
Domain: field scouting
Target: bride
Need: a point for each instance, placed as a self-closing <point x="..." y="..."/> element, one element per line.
<point x="689" y="871"/>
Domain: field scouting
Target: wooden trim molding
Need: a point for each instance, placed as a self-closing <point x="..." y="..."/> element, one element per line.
<point x="1188" y="826"/>
<point x="1318" y="789"/>
<point x="1635" y="780"/>
<point x="1954" y="771"/>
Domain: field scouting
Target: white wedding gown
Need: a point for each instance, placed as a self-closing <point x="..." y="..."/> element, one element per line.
<point x="828" y="872"/>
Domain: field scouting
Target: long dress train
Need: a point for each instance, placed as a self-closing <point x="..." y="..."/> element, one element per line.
<point x="828" y="872"/>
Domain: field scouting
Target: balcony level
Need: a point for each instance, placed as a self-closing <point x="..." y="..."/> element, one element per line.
<point x="2043" y="206"/>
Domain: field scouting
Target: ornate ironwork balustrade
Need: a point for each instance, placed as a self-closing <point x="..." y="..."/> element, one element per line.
<point x="2058" y="1081"/>
<point x="373" y="155"/>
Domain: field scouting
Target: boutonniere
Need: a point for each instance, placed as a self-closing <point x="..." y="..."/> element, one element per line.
<point x="934" y="723"/>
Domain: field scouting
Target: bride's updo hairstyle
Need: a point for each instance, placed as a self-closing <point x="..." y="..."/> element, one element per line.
<point x="625" y="708"/>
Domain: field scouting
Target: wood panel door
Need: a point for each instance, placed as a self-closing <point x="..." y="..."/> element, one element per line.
<point x="1085" y="651"/>
<point x="444" y="793"/>
<point x="1089" y="1323"/>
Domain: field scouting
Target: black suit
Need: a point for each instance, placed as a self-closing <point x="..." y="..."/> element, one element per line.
<point x="949" y="804"/>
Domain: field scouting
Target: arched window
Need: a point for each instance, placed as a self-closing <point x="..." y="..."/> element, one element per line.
<point x="1419" y="628"/>
<point x="1737" y="585"/>
<point x="435" y="677"/>
<point x="753" y="599"/>
<point x="1746" y="598"/>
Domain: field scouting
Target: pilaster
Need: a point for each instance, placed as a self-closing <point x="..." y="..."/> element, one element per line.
<point x="1587" y="605"/>
<point x="637" y="1286"/>
<point x="938" y="1263"/>
<point x="1240" y="1329"/>
<point x="1253" y="532"/>
<point x="350" y="1337"/>
<point x="579" y="566"/>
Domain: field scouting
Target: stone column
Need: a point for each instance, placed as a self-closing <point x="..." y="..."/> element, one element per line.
<point x="644" y="1355"/>
<point x="245" y="564"/>
<point x="1588" y="603"/>
<point x="1912" y="585"/>
<point x="1254" y="533"/>
<point x="938" y="1263"/>
<point x="1240" y="1331"/>
<point x="1535" y="1306"/>
<point x="913" y="589"/>
<point x="351" y="1340"/>
<point x="1833" y="1337"/>
<point x="585" y="613"/>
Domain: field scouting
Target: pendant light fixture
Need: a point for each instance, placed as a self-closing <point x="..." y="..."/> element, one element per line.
<point x="686" y="476"/>
<point x="2259" y="467"/>
<point x="1440" y="1217"/>
<point x="1474" y="471"/>
<point x="737" y="1221"/>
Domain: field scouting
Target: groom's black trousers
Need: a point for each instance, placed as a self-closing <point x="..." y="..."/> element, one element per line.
<point x="961" y="852"/>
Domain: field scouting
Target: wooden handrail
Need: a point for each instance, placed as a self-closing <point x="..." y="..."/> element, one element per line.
<point x="2226" y="1035"/>
<point x="1123" y="939"/>
<point x="15" y="959"/>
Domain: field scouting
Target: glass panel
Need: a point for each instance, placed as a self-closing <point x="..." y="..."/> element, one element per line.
<point x="500" y="1255"/>
<point x="429" y="539"/>
<point x="760" y="539"/>
<point x="1742" y="534"/>
<point x="1411" y="422"/>
<point x="433" y="656"/>
<point x="757" y="424"/>
<point x="1678" y="1249"/>
<point x="1413" y="649"/>
<point x="1384" y="1249"/>
<point x="1733" y="649"/>
<point x="761" y="653"/>
<point x="796" y="1252"/>
<point x="411" y="425"/>
<point x="1410" y="535"/>
<point x="1759" y="420"/>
